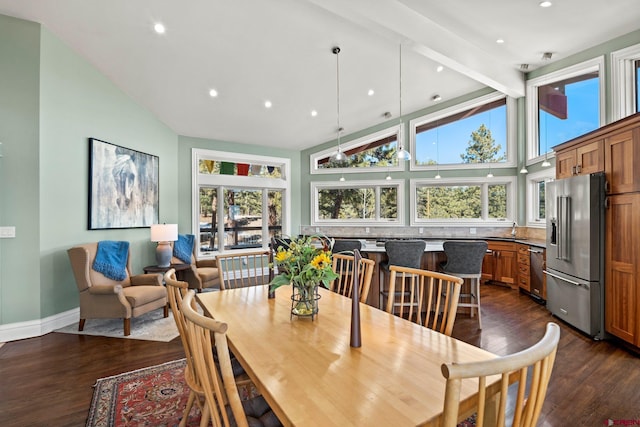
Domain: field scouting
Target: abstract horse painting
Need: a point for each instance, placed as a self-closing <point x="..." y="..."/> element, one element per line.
<point x="123" y="187"/>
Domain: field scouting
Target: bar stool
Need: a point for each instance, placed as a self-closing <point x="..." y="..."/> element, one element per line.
<point x="346" y="245"/>
<point x="403" y="253"/>
<point x="464" y="260"/>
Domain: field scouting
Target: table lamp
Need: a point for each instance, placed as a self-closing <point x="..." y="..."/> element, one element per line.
<point x="163" y="234"/>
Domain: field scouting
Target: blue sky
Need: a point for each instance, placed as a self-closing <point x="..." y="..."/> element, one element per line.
<point x="446" y="143"/>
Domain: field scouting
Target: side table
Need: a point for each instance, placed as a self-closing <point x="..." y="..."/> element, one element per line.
<point x="162" y="270"/>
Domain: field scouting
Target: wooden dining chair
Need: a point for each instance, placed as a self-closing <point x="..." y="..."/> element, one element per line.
<point x="239" y="270"/>
<point x="176" y="291"/>
<point x="222" y="400"/>
<point x="531" y="366"/>
<point x="342" y="265"/>
<point x="425" y="297"/>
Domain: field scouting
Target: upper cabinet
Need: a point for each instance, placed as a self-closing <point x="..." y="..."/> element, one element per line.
<point x="613" y="148"/>
<point x="622" y="153"/>
<point x="585" y="158"/>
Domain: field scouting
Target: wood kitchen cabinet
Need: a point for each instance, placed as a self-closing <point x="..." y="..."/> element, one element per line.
<point x="531" y="264"/>
<point x="581" y="160"/>
<point x="524" y="268"/>
<point x="500" y="263"/>
<point x="622" y="164"/>
<point x="622" y="267"/>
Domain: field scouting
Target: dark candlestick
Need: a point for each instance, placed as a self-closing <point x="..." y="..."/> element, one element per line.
<point x="356" y="339"/>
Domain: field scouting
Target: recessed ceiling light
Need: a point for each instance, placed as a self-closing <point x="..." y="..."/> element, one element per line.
<point x="371" y="92"/>
<point x="545" y="3"/>
<point x="314" y="113"/>
<point x="440" y="68"/>
<point x="267" y="104"/>
<point x="213" y="93"/>
<point x="159" y="28"/>
<point x="500" y="41"/>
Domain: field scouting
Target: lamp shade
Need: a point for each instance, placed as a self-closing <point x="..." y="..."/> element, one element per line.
<point x="164" y="232"/>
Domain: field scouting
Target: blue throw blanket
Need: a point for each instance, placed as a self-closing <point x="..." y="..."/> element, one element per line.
<point x="183" y="247"/>
<point x="111" y="259"/>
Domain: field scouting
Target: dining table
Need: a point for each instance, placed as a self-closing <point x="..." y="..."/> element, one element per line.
<point x="310" y="375"/>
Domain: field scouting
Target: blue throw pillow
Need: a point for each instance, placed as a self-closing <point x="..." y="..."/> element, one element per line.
<point x="183" y="247"/>
<point x="111" y="259"/>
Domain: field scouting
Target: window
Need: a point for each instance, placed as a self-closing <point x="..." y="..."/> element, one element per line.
<point x="477" y="134"/>
<point x="377" y="150"/>
<point x="562" y="106"/>
<point x="536" y="185"/>
<point x="468" y="201"/>
<point x="625" y="72"/>
<point x="357" y="202"/>
<point x="241" y="201"/>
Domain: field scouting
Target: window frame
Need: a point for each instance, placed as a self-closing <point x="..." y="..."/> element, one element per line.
<point x="314" y="158"/>
<point x="531" y="99"/>
<point x="511" y="124"/>
<point x="623" y="81"/>
<point x="546" y="175"/>
<point x="377" y="184"/>
<point x="485" y="221"/>
<point x="222" y="182"/>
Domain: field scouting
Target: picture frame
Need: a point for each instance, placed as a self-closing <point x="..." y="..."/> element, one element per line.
<point x="123" y="187"/>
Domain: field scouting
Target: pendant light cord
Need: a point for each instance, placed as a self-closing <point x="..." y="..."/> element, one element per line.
<point x="336" y="50"/>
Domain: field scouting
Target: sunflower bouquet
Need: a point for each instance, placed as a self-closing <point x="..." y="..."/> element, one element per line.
<point x="305" y="263"/>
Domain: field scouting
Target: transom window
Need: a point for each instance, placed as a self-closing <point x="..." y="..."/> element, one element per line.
<point x="477" y="134"/>
<point x="240" y="201"/>
<point x="463" y="201"/>
<point x="377" y="150"/>
<point x="562" y="106"/>
<point x="357" y="202"/>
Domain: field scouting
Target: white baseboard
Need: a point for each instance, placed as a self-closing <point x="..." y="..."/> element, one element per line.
<point x="36" y="328"/>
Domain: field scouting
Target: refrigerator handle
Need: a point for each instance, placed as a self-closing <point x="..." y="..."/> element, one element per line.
<point x="563" y="226"/>
<point x="561" y="278"/>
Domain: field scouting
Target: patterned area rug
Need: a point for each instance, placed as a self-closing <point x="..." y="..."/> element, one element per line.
<point x="150" y="326"/>
<point x="154" y="396"/>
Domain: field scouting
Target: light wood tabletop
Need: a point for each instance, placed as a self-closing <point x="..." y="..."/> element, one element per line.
<point x="311" y="376"/>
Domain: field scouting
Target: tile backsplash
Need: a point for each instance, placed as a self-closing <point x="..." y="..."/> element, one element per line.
<point x="374" y="232"/>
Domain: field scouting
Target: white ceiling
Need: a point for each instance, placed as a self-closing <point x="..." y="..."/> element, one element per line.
<point x="280" y="50"/>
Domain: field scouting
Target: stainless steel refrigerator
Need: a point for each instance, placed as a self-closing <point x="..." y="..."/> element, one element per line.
<point x="575" y="251"/>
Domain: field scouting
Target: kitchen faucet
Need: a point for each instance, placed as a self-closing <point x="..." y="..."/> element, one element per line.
<point x="513" y="229"/>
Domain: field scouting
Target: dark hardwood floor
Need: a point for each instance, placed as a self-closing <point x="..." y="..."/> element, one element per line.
<point x="47" y="381"/>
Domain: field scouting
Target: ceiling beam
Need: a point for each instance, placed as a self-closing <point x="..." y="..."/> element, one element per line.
<point x="396" y="21"/>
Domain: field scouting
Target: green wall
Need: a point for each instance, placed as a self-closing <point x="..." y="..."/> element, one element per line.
<point x="55" y="101"/>
<point x="19" y="169"/>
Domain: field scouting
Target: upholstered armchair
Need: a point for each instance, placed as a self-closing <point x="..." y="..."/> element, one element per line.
<point x="105" y="298"/>
<point x="202" y="274"/>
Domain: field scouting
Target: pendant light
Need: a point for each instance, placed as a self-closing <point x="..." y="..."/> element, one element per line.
<point x="338" y="156"/>
<point x="524" y="169"/>
<point x="546" y="163"/>
<point x="402" y="153"/>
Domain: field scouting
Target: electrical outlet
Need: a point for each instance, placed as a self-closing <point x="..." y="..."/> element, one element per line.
<point x="472" y="230"/>
<point x="366" y="230"/>
<point x="421" y="230"/>
<point x="317" y="229"/>
<point x="7" y="232"/>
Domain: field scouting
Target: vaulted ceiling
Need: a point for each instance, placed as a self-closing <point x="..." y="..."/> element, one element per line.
<point x="251" y="51"/>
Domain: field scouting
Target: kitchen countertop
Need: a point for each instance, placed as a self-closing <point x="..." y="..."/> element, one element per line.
<point x="434" y="244"/>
